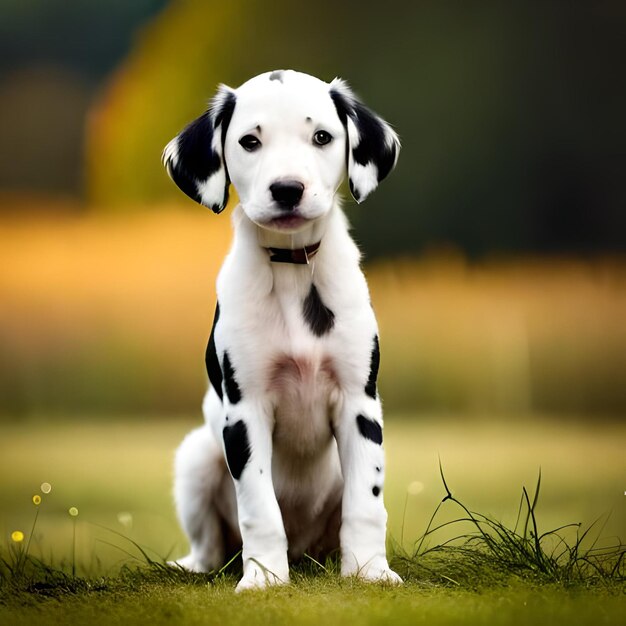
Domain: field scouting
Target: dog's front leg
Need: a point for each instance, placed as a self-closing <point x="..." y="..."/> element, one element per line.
<point x="364" y="518"/>
<point x="247" y="436"/>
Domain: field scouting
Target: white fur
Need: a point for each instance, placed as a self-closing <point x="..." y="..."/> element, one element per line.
<point x="310" y="469"/>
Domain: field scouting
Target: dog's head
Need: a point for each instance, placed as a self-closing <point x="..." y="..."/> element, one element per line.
<point x="284" y="139"/>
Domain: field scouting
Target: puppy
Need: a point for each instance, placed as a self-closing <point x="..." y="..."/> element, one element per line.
<point x="290" y="459"/>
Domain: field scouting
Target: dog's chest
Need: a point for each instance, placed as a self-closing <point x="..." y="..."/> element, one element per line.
<point x="304" y="390"/>
<point x="301" y="372"/>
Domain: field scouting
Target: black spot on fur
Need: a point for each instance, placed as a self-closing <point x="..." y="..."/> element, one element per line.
<point x="211" y="360"/>
<point x="237" y="448"/>
<point x="370" y="429"/>
<point x="319" y="317"/>
<point x="230" y="382"/>
<point x="376" y="490"/>
<point x="370" y="386"/>
<point x="277" y="75"/>
<point x="377" y="468"/>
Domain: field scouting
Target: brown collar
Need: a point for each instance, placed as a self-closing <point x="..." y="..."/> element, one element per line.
<point x="299" y="256"/>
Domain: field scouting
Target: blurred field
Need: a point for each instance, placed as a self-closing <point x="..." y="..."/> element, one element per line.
<point x="500" y="367"/>
<point x="118" y="474"/>
<point x="522" y="335"/>
<point x="109" y="313"/>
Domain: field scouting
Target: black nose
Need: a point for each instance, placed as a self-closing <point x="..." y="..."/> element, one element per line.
<point x="287" y="193"/>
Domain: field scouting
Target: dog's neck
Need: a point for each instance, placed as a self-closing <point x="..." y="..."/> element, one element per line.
<point x="249" y="260"/>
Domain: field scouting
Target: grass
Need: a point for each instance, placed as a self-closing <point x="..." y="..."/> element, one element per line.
<point x="501" y="577"/>
<point x="461" y="567"/>
<point x="142" y="599"/>
<point x="494" y="551"/>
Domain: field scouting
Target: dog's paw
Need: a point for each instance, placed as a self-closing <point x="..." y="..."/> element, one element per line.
<point x="380" y="575"/>
<point x="375" y="571"/>
<point x="190" y="564"/>
<point x="256" y="576"/>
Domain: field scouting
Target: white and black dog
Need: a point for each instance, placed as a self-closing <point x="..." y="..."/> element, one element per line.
<point x="290" y="460"/>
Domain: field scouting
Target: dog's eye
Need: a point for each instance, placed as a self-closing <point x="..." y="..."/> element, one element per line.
<point x="321" y="138"/>
<point x="249" y="143"/>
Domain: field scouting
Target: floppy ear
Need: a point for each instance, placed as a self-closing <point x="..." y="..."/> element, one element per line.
<point x="195" y="158"/>
<point x="373" y="145"/>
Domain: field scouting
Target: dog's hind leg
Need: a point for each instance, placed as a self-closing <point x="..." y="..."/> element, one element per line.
<point x="200" y="473"/>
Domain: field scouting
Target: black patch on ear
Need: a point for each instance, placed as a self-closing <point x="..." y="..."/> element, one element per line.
<point x="223" y="115"/>
<point x="277" y="75"/>
<point x="370" y="429"/>
<point x="341" y="105"/>
<point x="376" y="490"/>
<point x="370" y="386"/>
<point x="224" y="112"/>
<point x="372" y="147"/>
<point x="316" y="314"/>
<point x="211" y="360"/>
<point x="237" y="448"/>
<point x="230" y="382"/>
<point x="196" y="159"/>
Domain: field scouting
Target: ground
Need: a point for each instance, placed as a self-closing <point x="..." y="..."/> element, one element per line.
<point x="325" y="603"/>
<point x="117" y="473"/>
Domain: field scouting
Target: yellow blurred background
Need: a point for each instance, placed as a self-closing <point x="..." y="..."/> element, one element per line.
<point x="495" y="252"/>
<point x="111" y="313"/>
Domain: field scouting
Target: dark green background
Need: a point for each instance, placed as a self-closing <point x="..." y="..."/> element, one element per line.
<point x="511" y="114"/>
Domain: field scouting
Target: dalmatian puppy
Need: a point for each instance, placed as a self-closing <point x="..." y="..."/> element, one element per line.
<point x="290" y="460"/>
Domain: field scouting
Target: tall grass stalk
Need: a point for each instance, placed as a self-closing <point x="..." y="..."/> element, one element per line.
<point x="495" y="550"/>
